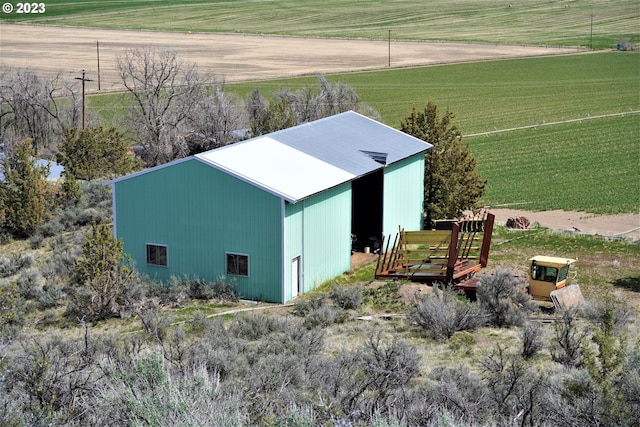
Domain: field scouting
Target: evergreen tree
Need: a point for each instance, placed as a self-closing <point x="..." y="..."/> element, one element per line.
<point x="605" y="362"/>
<point x="70" y="192"/>
<point x="451" y="183"/>
<point x="24" y="193"/>
<point x="96" y="153"/>
<point x="103" y="275"/>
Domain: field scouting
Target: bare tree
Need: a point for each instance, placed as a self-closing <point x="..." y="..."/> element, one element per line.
<point x="336" y="98"/>
<point x="331" y="99"/>
<point x="256" y="106"/>
<point x="42" y="109"/>
<point x="165" y="93"/>
<point x="219" y="119"/>
<point x="307" y="104"/>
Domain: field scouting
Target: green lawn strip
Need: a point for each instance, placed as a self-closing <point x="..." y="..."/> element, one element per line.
<point x="586" y="23"/>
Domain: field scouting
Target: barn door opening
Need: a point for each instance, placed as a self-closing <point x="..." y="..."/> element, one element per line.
<point x="295" y="277"/>
<point x="366" y="210"/>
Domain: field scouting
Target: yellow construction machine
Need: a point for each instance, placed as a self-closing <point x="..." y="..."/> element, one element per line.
<point x="549" y="280"/>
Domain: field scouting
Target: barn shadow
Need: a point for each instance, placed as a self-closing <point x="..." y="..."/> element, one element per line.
<point x="628" y="283"/>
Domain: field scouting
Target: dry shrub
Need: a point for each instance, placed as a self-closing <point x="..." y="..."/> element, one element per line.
<point x="443" y="313"/>
<point x="502" y="297"/>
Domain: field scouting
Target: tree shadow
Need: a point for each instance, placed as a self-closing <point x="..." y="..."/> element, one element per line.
<point x="628" y="283"/>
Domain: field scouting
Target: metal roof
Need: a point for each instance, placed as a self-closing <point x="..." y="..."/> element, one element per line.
<point x="347" y="139"/>
<point x="298" y="162"/>
<point x="277" y="168"/>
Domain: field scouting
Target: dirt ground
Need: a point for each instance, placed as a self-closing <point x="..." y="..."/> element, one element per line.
<point x="231" y="57"/>
<point x="624" y="226"/>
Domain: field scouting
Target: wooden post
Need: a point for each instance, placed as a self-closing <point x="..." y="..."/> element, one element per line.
<point x="83" y="100"/>
<point x="486" y="239"/>
<point x="381" y="254"/>
<point x="453" y="252"/>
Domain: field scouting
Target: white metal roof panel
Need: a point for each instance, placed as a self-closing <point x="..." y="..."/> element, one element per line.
<point x="277" y="168"/>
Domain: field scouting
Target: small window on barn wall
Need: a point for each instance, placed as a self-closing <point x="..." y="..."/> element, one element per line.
<point x="237" y="264"/>
<point x="157" y="255"/>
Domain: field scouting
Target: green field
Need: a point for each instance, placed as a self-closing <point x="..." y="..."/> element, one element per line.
<point x="590" y="166"/>
<point x="492" y="95"/>
<point x="588" y="23"/>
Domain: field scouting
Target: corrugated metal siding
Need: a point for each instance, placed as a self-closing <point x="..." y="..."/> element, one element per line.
<point x="403" y="195"/>
<point x="293" y="244"/>
<point x="327" y="235"/>
<point x="200" y="213"/>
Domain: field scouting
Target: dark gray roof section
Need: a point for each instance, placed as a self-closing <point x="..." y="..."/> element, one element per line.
<point x="378" y="157"/>
<point x="347" y="140"/>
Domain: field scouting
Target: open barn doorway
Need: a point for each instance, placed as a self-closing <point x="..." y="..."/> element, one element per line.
<point x="366" y="211"/>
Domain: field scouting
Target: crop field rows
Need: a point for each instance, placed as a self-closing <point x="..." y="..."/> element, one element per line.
<point x="595" y="23"/>
<point x="589" y="166"/>
<point x="498" y="95"/>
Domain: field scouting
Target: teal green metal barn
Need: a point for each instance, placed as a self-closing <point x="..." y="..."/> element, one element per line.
<point x="277" y="213"/>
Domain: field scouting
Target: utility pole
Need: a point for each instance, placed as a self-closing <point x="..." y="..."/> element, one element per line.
<point x="591" y="34"/>
<point x="98" y="55"/>
<point x="389" y="48"/>
<point x="83" y="109"/>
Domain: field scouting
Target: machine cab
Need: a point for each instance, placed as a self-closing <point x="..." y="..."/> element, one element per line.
<point x="546" y="274"/>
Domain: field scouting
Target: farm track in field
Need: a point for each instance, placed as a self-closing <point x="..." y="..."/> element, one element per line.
<point x="580" y="119"/>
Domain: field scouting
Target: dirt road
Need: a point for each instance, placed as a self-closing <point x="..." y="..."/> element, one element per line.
<point x="626" y="226"/>
<point x="229" y="56"/>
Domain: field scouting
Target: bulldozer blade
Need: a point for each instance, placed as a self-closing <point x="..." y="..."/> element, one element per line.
<point x="567" y="297"/>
